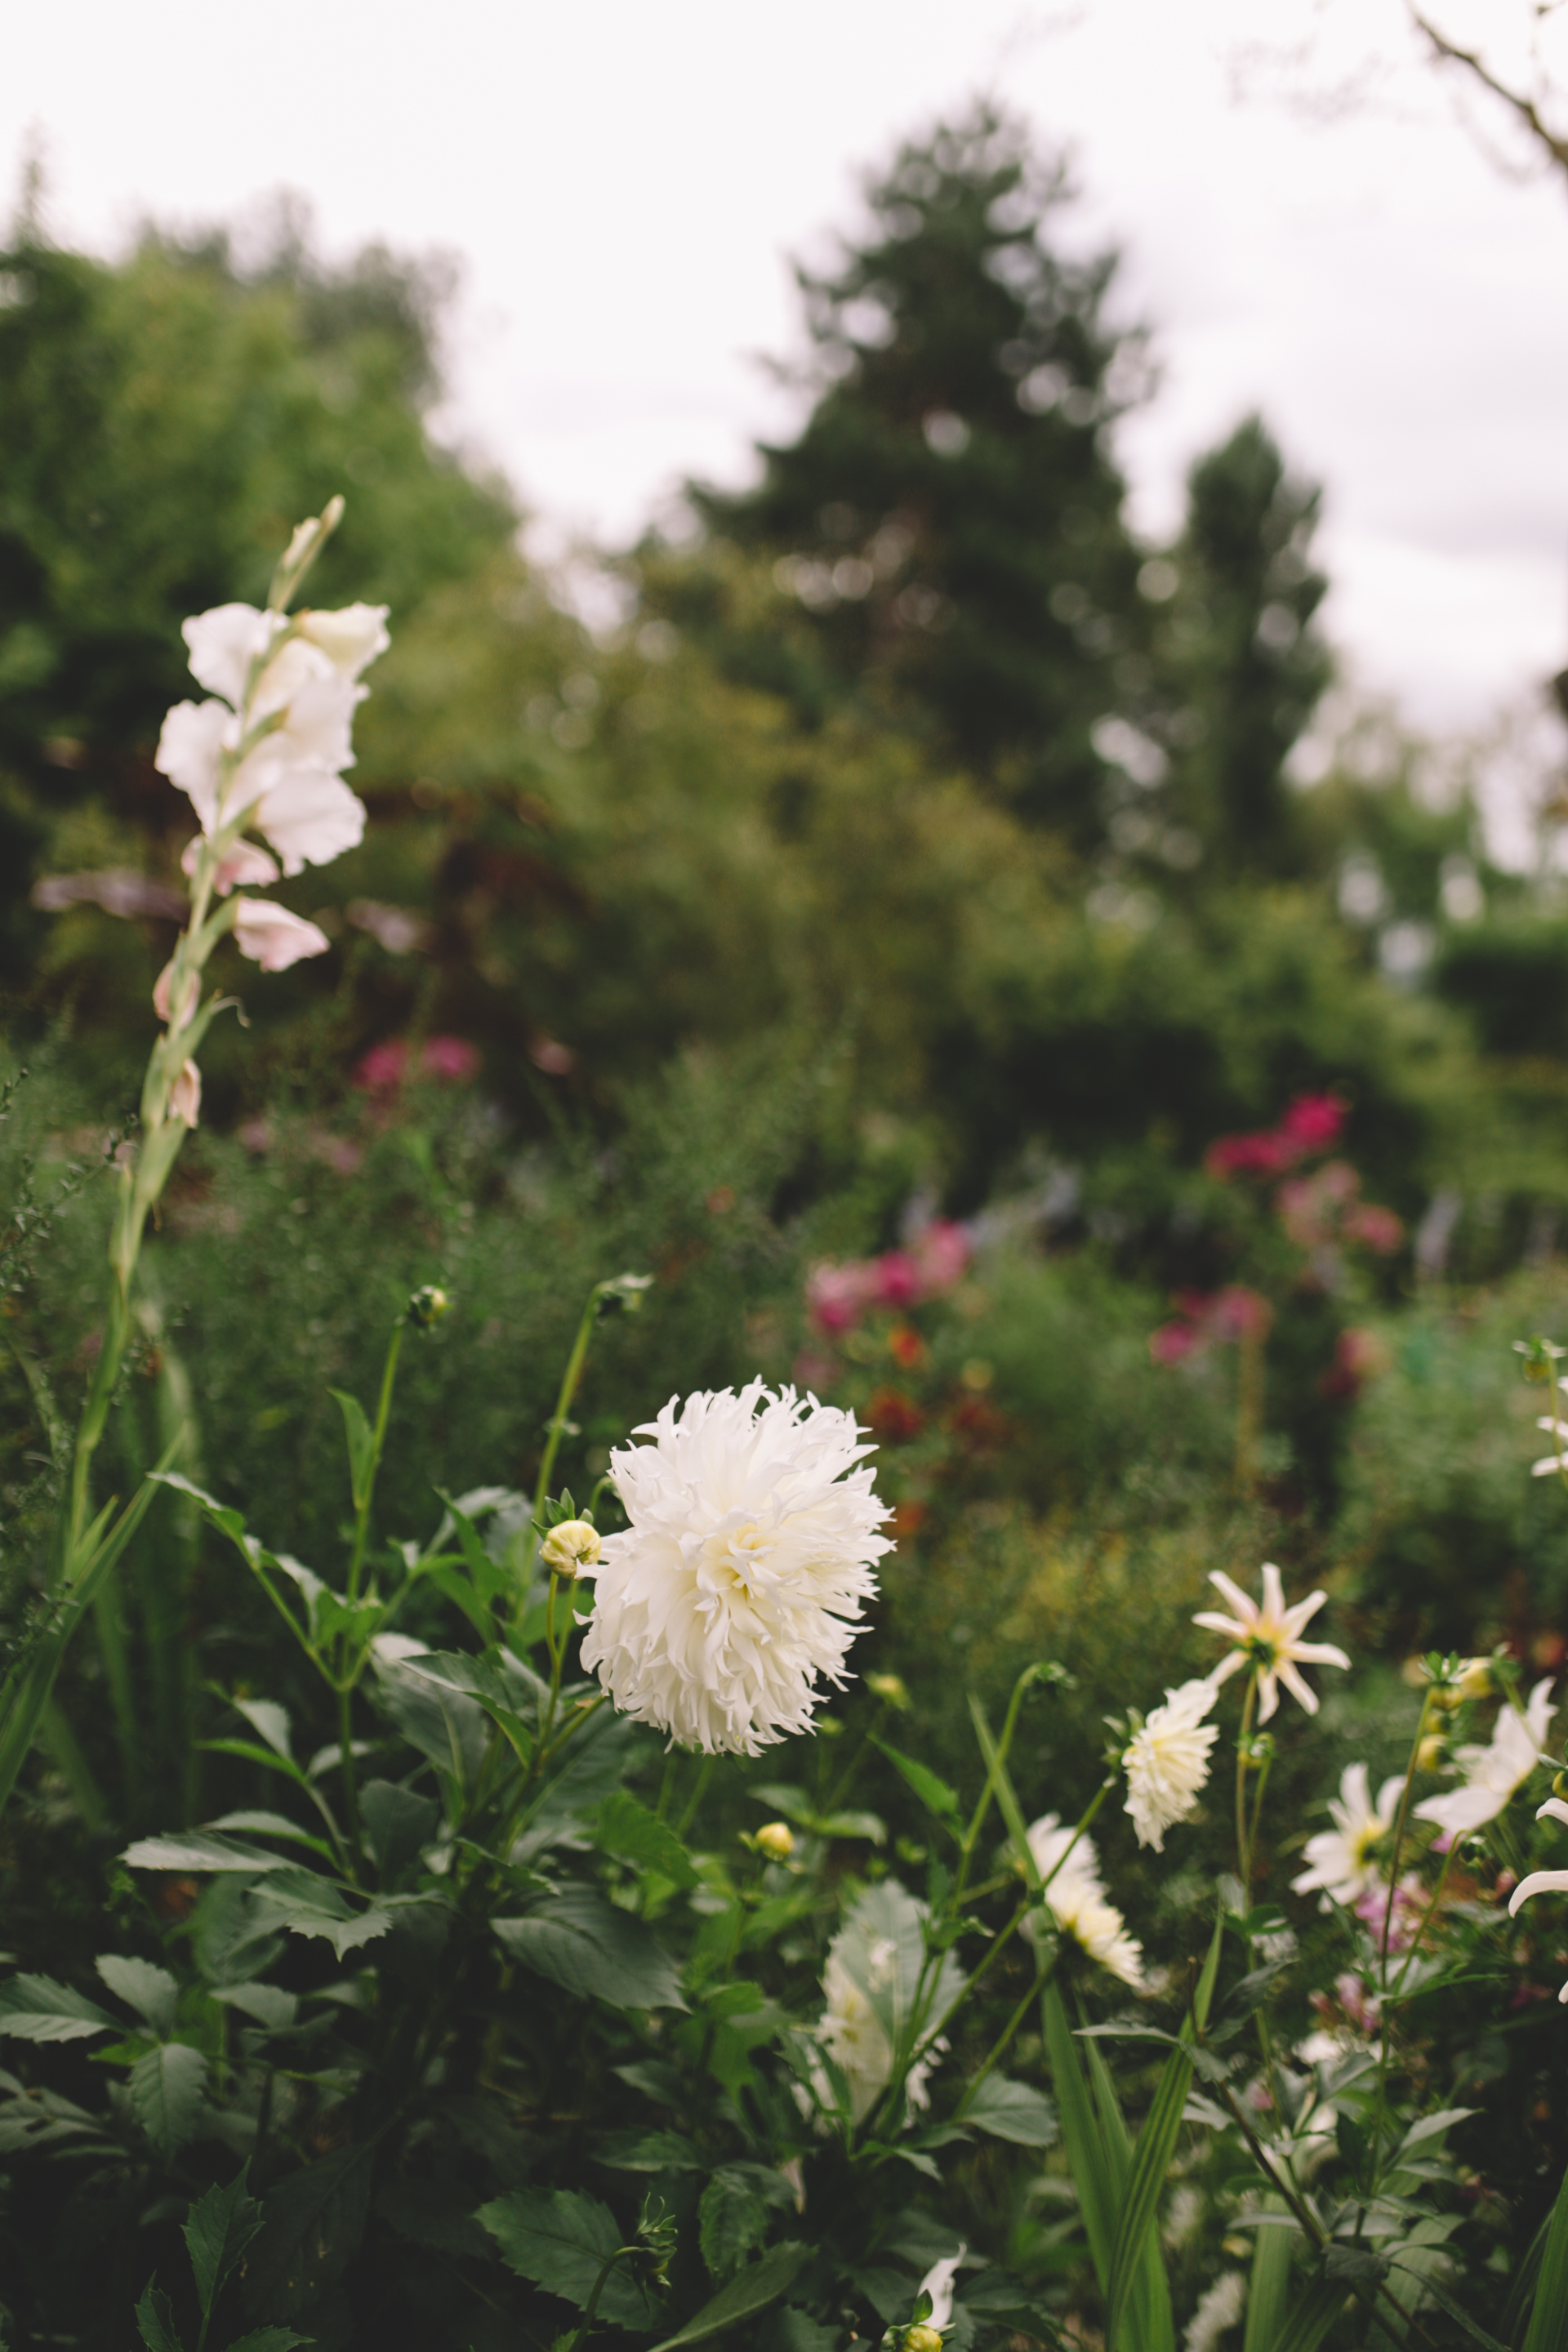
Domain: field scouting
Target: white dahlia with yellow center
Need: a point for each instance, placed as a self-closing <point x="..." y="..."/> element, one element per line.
<point x="748" y="1561"/>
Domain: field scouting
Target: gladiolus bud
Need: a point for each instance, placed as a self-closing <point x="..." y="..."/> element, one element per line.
<point x="1429" y="1754"/>
<point x="185" y="1095"/>
<point x="776" y="1840"/>
<point x="427" y="1305"/>
<point x="571" y="1547"/>
<point x="921" y="2338"/>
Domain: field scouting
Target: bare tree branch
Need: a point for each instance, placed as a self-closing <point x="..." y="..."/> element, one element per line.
<point x="1522" y="106"/>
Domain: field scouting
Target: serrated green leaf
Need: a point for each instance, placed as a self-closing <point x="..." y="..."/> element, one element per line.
<point x="269" y="2339"/>
<point x="628" y="1829"/>
<point x="155" y="2320"/>
<point x="360" y="1444"/>
<point x="308" y="1906"/>
<point x="589" y="1948"/>
<point x="151" y="1991"/>
<point x="219" y="2228"/>
<point x="36" y="2009"/>
<point x="265" y="1825"/>
<point x="932" y="1791"/>
<point x="752" y="2291"/>
<point x="731" y="2220"/>
<point x="562" y="2241"/>
<point x="1011" y="2111"/>
<point x="166" y="2089"/>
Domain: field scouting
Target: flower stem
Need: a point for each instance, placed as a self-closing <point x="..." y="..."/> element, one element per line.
<point x="556" y="1430"/>
<point x="1243" y="1760"/>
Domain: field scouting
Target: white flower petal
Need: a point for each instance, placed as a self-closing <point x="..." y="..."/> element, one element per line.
<point x="225" y="642"/>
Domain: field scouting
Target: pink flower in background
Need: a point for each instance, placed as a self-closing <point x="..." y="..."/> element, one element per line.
<point x="1404" y="1905"/>
<point x="383" y="1069"/>
<point x="1312" y="1122"/>
<point x="898" y="1279"/>
<point x="942" y="1251"/>
<point x="1380" y="1229"/>
<point x="1211" y="1319"/>
<point x="937" y="1258"/>
<point x="1246" y="1155"/>
<point x="837" y="1295"/>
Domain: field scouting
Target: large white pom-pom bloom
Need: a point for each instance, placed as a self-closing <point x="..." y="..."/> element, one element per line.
<point x="1167" y="1761"/>
<point x="748" y="1559"/>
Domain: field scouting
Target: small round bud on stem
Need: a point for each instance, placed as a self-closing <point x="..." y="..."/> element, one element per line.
<point x="1429" y="1754"/>
<point x="889" y="1688"/>
<point x="921" y="2338"/>
<point x="427" y="1305"/>
<point x="1560" y="1784"/>
<point x="571" y="1547"/>
<point x="776" y="1840"/>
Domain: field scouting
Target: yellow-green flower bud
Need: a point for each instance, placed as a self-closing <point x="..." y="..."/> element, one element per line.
<point x="1429" y="1754"/>
<point x="892" y="1689"/>
<point x="427" y="1305"/>
<point x="921" y="2338"/>
<point x="776" y="1840"/>
<point x="1475" y="1678"/>
<point x="571" y="1547"/>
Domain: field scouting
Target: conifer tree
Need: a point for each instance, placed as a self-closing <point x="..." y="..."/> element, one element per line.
<point x="949" y="523"/>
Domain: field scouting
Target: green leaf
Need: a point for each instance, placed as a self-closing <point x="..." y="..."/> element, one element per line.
<point x="628" y="1829"/>
<point x="932" y="1792"/>
<point x="1433" y="2286"/>
<point x="309" y="1905"/>
<point x="155" y="2320"/>
<point x="36" y="2009"/>
<point x="311" y="2226"/>
<point x="398" y="1823"/>
<point x="166" y="2090"/>
<point x="152" y="1992"/>
<point x="1269" y="2286"/>
<point x="446" y="1725"/>
<point x="1314" y="2313"/>
<point x="589" y="1948"/>
<point x="269" y="2339"/>
<point x="265" y="1716"/>
<point x="790" y="2330"/>
<point x="659" y="2151"/>
<point x="1150" y="2163"/>
<point x="732" y="2220"/>
<point x="265" y="1824"/>
<point x="562" y="2241"/>
<point x="489" y="1575"/>
<point x="220" y="2226"/>
<point x="362" y="1447"/>
<point x="752" y="2291"/>
<point x="231" y="1523"/>
<point x="1547" y="2330"/>
<point x="188" y="1850"/>
<point x="1427" y="2128"/>
<point x="1012" y="2111"/>
<point x="270" y="2005"/>
<point x="1100" y="2154"/>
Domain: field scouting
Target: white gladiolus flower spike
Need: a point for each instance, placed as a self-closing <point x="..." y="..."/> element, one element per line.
<point x="748" y="1559"/>
<point x="245" y="863"/>
<point x="350" y="639"/>
<point x="225" y="642"/>
<point x="1543" y="1881"/>
<point x="1076" y="1899"/>
<point x="1340" y="1861"/>
<point x="1492" y="1773"/>
<point x="272" y="936"/>
<point x="1268" y="1638"/>
<point x="1168" y="1761"/>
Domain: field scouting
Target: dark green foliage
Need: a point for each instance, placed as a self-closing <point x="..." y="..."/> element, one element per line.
<point x="948" y="521"/>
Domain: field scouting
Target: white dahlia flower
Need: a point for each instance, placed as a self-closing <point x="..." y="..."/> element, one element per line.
<point x="747" y="1560"/>
<point x="1076" y="1899"/>
<point x="1492" y="1773"/>
<point x="1269" y="1640"/>
<point x="1341" y="1860"/>
<point x="1168" y="1761"/>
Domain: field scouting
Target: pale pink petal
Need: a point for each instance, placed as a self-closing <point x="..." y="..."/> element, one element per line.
<point x="310" y="816"/>
<point x="1213" y="1622"/>
<point x="244" y="862"/>
<point x="195" y="737"/>
<point x="1297" y="1688"/>
<point x="1273" y="1593"/>
<point x="1388" y="1796"/>
<point x="1267" y="1692"/>
<point x="1539" y="1882"/>
<point x="1319" y="1653"/>
<point x="225" y="642"/>
<point x="272" y="936"/>
<point x="163" y="992"/>
<point x="1244" y="1605"/>
<point x="1295" y="1618"/>
<point x="185" y="1095"/>
<point x="351" y="638"/>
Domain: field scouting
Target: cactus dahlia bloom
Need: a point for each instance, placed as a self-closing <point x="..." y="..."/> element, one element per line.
<point x="747" y="1559"/>
<point x="1167" y="1761"/>
<point x="1074" y="1897"/>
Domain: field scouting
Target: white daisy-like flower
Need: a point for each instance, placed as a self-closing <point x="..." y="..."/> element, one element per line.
<point x="1543" y="1881"/>
<point x="746" y="1565"/>
<point x="1492" y="1773"/>
<point x="1268" y="1638"/>
<point x="1340" y="1861"/>
<point x="1076" y="1899"/>
<point x="1221" y="2306"/>
<point x="1168" y="1761"/>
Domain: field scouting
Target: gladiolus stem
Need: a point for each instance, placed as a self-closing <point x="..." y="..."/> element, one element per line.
<point x="568" y="1389"/>
<point x="1243" y="1759"/>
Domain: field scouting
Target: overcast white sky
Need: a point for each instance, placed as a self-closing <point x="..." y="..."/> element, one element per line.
<point x="625" y="183"/>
